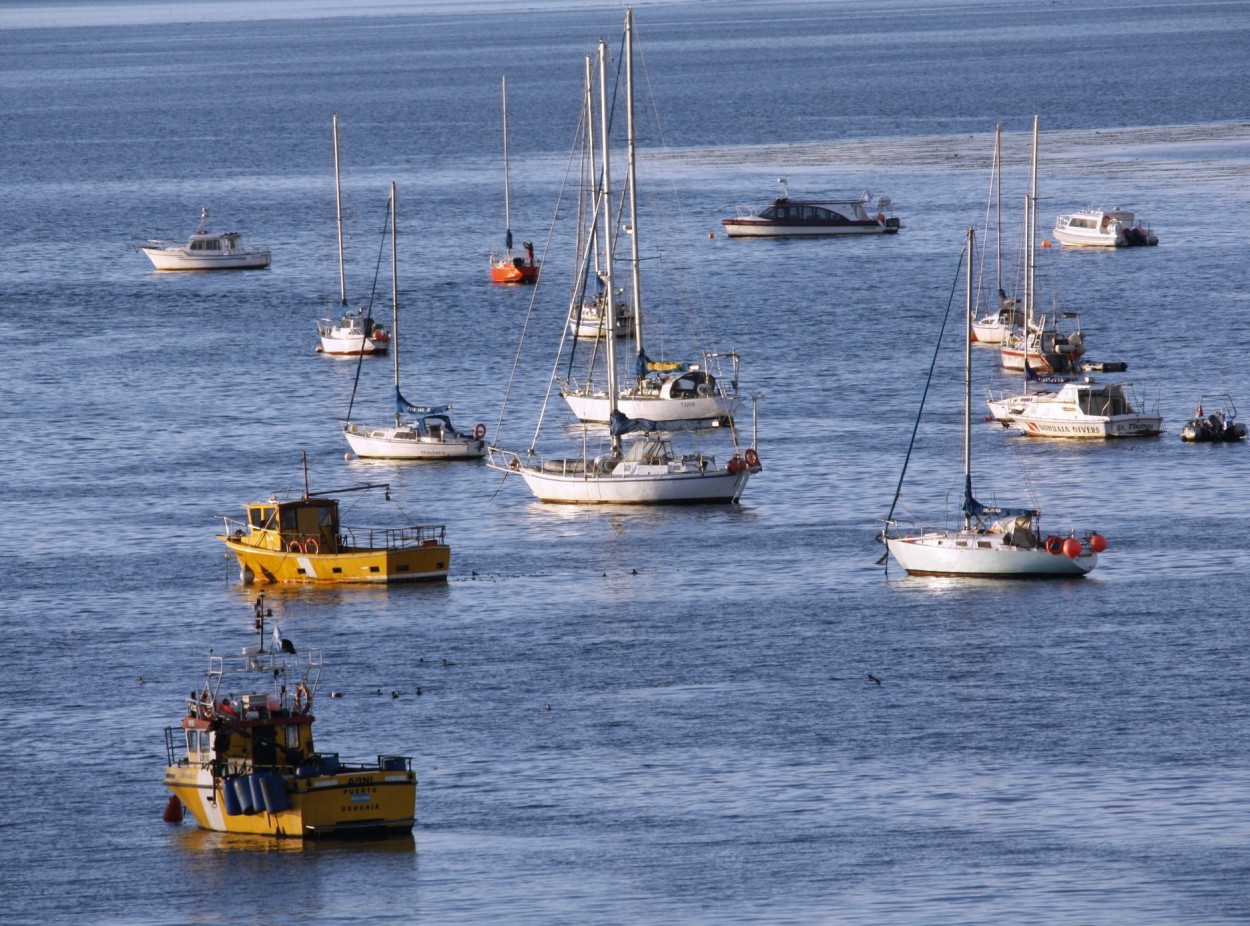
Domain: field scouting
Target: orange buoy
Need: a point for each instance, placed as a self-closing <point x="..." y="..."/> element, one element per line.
<point x="711" y="234"/>
<point x="1072" y="548"/>
<point x="1097" y="542"/>
<point x="173" y="810"/>
<point x="1045" y="244"/>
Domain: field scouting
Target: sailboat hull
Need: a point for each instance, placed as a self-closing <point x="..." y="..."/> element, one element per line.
<point x="987" y="556"/>
<point x="596" y="409"/>
<point x="675" y="483"/>
<point x="408" y="444"/>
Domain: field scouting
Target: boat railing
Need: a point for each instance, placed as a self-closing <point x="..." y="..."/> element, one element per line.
<point x="393" y="538"/>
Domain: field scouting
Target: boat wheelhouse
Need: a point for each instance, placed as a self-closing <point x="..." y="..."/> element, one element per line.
<point x="1088" y="410"/>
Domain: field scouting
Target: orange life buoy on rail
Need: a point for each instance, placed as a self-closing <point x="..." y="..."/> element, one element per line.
<point x="480" y="431"/>
<point x="303" y="698"/>
<point x="752" y="458"/>
<point x="311" y="546"/>
<point x="294" y="547"/>
<point x="1054" y="544"/>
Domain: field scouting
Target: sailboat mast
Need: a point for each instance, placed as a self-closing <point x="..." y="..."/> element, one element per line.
<point x="507" y="193"/>
<point x="592" y="232"/>
<point x="632" y="179"/>
<point x="998" y="195"/>
<point x="968" y="382"/>
<point x="1030" y="224"/>
<point x="606" y="197"/>
<point x="395" y="304"/>
<point x="338" y="209"/>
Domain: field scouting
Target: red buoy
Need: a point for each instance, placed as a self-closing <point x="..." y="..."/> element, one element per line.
<point x="173" y="810"/>
<point x="1072" y="548"/>
<point x="1097" y="542"/>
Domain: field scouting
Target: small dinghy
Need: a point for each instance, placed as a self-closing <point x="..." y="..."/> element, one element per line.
<point x="1217" y="427"/>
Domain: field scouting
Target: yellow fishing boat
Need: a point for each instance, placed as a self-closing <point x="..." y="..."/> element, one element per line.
<point x="243" y="758"/>
<point x="302" y="540"/>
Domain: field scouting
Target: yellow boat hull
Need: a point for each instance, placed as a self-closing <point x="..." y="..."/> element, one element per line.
<point x="357" y="803"/>
<point x="427" y="563"/>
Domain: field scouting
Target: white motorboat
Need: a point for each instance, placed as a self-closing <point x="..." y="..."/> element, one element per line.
<point x="428" y="434"/>
<point x="648" y="470"/>
<point x="1102" y="228"/>
<point x="1088" y="410"/>
<point x="206" y="250"/>
<point x="993" y="541"/>
<point x="785" y="217"/>
<point x="588" y="321"/>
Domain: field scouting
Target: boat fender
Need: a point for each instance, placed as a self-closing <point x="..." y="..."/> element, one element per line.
<point x="294" y="547"/>
<point x="736" y="465"/>
<point x="303" y="698"/>
<point x="311" y="546"/>
<point x="479" y="431"/>
<point x="1097" y="542"/>
<point x="752" y="458"/>
<point x="1054" y="544"/>
<point x="173" y="811"/>
<point x="1072" y="548"/>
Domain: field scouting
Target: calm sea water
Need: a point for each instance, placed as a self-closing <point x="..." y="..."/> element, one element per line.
<point x="650" y="715"/>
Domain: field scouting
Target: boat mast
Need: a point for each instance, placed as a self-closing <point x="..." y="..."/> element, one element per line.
<point x="395" y="305"/>
<point x="968" y="382"/>
<point x="1030" y="230"/>
<point x="606" y="197"/>
<point x="998" y="194"/>
<point x="507" y="203"/>
<point x="632" y="179"/>
<point x="338" y="209"/>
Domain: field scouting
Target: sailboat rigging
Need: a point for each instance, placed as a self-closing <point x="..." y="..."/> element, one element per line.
<point x="429" y="433"/>
<point x="993" y="541"/>
<point x="354" y="333"/>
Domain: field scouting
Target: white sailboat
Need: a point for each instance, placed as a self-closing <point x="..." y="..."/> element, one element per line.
<point x="647" y="470"/>
<point x="1041" y="344"/>
<point x="354" y="333"/>
<point x="660" y="390"/>
<point x="993" y="542"/>
<point x="995" y="325"/>
<point x="506" y="267"/>
<point x="428" y="434"/>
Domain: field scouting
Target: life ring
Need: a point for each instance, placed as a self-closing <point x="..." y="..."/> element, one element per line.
<point x="479" y="431"/>
<point x="303" y="699"/>
<point x="294" y="547"/>
<point x="1054" y="544"/>
<point x="752" y="458"/>
<point x="311" y="546"/>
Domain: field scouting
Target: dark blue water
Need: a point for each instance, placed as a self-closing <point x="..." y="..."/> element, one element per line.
<point x="697" y="742"/>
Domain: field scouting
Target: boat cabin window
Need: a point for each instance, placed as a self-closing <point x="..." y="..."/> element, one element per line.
<point x="199" y="741"/>
<point x="206" y="244"/>
<point x="262" y="517"/>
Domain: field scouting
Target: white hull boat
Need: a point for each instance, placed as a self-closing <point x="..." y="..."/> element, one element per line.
<point x="1098" y="228"/>
<point x="354" y="334"/>
<point x="994" y="542"/>
<point x="429" y="435"/>
<point x="787" y="218"/>
<point x="1091" y="411"/>
<point x="664" y="407"/>
<point x="206" y="250"/>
